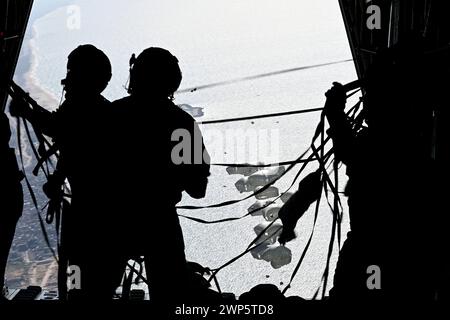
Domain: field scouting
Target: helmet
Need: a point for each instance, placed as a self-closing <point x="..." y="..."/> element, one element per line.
<point x="156" y="72"/>
<point x="88" y="68"/>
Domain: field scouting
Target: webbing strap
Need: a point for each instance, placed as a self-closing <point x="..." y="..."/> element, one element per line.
<point x="32" y="194"/>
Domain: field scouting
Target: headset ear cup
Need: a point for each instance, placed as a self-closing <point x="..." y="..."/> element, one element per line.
<point x="131" y="83"/>
<point x="132" y="76"/>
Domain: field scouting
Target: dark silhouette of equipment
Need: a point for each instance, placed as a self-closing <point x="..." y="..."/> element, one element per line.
<point x="13" y="20"/>
<point x="383" y="219"/>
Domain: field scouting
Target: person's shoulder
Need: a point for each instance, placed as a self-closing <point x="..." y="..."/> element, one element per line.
<point x="180" y="114"/>
<point x="122" y="106"/>
<point x="102" y="105"/>
<point x="103" y="101"/>
<point x="121" y="102"/>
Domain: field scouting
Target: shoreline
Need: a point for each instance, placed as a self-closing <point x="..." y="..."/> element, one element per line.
<point x="26" y="70"/>
<point x="30" y="80"/>
<point x="34" y="271"/>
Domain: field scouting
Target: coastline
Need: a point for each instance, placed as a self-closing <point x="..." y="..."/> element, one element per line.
<point x="28" y="63"/>
<point x="30" y="262"/>
<point x="29" y="79"/>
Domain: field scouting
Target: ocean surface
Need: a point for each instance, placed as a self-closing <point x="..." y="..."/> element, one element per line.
<point x="215" y="41"/>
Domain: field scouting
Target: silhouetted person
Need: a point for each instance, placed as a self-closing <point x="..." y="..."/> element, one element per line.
<point x="440" y="64"/>
<point x="11" y="195"/>
<point x="79" y="128"/>
<point x="391" y="182"/>
<point x="151" y="174"/>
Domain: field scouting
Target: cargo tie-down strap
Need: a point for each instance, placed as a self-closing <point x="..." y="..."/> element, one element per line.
<point x="312" y="158"/>
<point x="318" y="154"/>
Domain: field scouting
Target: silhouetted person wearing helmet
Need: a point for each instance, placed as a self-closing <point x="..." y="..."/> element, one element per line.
<point x="154" y="172"/>
<point x="79" y="131"/>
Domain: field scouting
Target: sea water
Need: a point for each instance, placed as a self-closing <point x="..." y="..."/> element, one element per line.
<point x="214" y="41"/>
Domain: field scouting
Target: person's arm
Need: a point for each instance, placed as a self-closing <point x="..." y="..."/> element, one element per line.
<point x="199" y="170"/>
<point x="340" y="128"/>
<point x="40" y="118"/>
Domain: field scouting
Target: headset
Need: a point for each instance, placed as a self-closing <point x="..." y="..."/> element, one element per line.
<point x="131" y="64"/>
<point x="134" y="60"/>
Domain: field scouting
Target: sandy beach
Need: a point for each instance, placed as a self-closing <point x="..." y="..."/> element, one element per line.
<point x="30" y="261"/>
